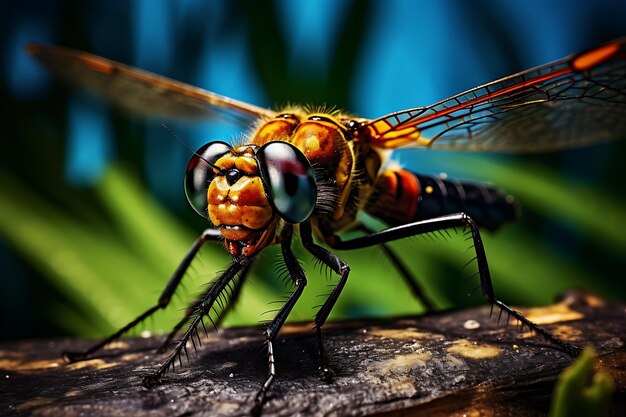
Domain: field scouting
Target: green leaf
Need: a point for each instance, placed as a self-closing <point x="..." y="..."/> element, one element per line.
<point x="581" y="392"/>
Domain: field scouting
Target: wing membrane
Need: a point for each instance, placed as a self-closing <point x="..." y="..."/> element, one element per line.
<point x="578" y="100"/>
<point x="141" y="92"/>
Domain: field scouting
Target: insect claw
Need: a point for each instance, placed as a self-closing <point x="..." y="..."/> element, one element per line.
<point x="326" y="374"/>
<point x="151" y="381"/>
<point x="71" y="357"/>
<point x="257" y="408"/>
<point x="572" y="350"/>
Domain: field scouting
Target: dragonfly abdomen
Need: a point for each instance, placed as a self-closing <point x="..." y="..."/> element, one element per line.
<point x="402" y="196"/>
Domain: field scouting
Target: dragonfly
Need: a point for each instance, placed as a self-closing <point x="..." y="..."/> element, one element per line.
<point x="309" y="174"/>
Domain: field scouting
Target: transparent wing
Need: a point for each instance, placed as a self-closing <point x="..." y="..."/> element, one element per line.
<point x="575" y="101"/>
<point x="141" y="92"/>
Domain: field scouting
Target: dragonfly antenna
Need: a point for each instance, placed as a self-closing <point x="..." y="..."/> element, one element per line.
<point x="192" y="151"/>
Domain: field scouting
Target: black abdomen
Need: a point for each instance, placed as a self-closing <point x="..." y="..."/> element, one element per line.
<point x="402" y="196"/>
<point x="486" y="205"/>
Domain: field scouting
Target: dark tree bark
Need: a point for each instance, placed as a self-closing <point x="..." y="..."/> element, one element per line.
<point x="451" y="363"/>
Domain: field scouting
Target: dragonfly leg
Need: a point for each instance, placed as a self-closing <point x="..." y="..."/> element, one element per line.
<point x="343" y="270"/>
<point x="203" y="309"/>
<point x="447" y="222"/>
<point x="236" y="290"/>
<point x="163" y="301"/>
<point x="408" y="277"/>
<point x="299" y="279"/>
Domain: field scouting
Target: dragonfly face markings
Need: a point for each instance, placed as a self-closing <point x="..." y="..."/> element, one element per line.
<point x="248" y="188"/>
<point x="318" y="170"/>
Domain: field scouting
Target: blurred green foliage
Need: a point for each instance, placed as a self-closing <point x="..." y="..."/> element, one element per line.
<point x="581" y="391"/>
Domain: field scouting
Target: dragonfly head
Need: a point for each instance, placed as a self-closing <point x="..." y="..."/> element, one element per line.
<point x="245" y="191"/>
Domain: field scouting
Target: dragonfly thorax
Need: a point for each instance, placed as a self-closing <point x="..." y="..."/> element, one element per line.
<point x="324" y="140"/>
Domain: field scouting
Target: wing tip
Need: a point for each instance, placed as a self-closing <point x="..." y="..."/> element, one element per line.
<point x="596" y="56"/>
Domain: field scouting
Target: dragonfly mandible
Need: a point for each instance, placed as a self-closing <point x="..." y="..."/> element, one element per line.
<point x="310" y="173"/>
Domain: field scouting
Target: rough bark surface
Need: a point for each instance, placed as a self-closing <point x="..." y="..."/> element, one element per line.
<point x="446" y="364"/>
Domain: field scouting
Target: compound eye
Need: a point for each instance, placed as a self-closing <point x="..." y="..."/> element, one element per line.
<point x="289" y="179"/>
<point x="199" y="174"/>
